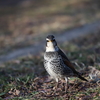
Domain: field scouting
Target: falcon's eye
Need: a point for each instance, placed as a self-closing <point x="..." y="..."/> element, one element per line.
<point x="47" y="40"/>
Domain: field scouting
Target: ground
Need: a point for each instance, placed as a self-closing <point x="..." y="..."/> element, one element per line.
<point x="26" y="78"/>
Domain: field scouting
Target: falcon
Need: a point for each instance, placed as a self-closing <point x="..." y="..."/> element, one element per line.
<point x="56" y="62"/>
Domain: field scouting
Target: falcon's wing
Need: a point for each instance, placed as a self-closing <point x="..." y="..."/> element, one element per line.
<point x="66" y="60"/>
<point x="69" y="64"/>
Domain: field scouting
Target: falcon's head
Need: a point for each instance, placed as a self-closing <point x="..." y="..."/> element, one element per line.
<point x="51" y="44"/>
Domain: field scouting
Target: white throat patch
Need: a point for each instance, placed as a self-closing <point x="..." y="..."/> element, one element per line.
<point x="50" y="47"/>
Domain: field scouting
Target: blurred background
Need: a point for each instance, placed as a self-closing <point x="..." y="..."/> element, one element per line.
<point x="26" y="22"/>
<point x="24" y="25"/>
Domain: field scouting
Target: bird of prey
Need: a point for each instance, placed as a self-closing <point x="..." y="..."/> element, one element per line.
<point x="56" y="62"/>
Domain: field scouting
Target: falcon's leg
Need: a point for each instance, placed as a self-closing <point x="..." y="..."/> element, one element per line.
<point x="57" y="84"/>
<point x="67" y="83"/>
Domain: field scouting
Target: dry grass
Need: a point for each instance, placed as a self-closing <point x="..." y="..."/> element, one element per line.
<point x="25" y="78"/>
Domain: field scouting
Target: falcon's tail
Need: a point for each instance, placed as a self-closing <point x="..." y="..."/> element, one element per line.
<point x="82" y="78"/>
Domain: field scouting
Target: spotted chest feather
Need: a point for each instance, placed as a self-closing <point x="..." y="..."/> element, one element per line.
<point x="54" y="65"/>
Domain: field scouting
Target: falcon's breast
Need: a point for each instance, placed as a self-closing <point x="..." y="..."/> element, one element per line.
<point x="55" y="66"/>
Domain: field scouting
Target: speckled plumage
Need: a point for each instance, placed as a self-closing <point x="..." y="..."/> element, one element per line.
<point x="56" y="62"/>
<point x="55" y="66"/>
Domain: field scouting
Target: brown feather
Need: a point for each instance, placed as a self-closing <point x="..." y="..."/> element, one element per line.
<point x="74" y="71"/>
<point x="69" y="64"/>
